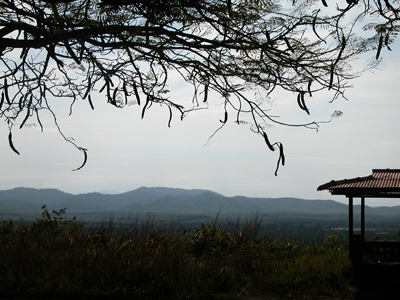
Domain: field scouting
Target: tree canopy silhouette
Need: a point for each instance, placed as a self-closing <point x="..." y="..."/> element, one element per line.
<point x="128" y="49"/>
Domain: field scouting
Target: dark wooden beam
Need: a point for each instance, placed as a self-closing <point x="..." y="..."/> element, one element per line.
<point x="363" y="218"/>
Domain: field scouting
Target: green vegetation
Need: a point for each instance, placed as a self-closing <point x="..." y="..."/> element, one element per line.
<point x="57" y="257"/>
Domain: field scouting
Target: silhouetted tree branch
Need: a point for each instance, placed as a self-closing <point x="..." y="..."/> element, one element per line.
<point x="126" y="50"/>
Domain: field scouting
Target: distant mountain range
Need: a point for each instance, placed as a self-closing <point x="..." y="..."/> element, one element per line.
<point x="172" y="201"/>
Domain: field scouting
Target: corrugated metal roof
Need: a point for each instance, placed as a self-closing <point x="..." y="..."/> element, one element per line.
<point x="381" y="183"/>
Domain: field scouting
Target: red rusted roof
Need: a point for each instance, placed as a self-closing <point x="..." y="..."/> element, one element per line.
<point x="381" y="183"/>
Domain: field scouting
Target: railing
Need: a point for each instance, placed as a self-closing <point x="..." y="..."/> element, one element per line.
<point x="383" y="251"/>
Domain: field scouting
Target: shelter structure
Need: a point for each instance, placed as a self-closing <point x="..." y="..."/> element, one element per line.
<point x="382" y="183"/>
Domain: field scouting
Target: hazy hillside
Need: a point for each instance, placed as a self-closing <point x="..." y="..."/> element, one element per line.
<point x="40" y="196"/>
<point x="173" y="201"/>
<point x="28" y="199"/>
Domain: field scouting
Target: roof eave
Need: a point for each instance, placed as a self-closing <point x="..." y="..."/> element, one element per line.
<point x="369" y="192"/>
<point x="333" y="183"/>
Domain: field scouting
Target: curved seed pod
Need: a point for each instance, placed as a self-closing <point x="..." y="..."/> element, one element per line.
<point x="114" y="97"/>
<point x="378" y="52"/>
<point x="11" y="143"/>
<point x="170" y="116"/>
<point x="124" y="87"/>
<point x="299" y="103"/>
<point x="281" y="158"/>
<point x="90" y="102"/>
<point x="331" y="77"/>
<point x="225" y="118"/>
<point x="267" y="142"/>
<point x="125" y="92"/>
<point x="268" y="37"/>
<point x="6" y="91"/>
<point x="110" y="81"/>
<point x="109" y="97"/>
<point x="145" y="105"/>
<point x="88" y="88"/>
<point x="27" y="113"/>
<point x="136" y="93"/>
<point x="304" y="103"/>
<point x="309" y="87"/>
<point x="2" y="99"/>
<point x="205" y="92"/>
<point x="103" y="87"/>
<point x="38" y="118"/>
<point x="43" y="92"/>
<point x="387" y="42"/>
<point x="282" y="155"/>
<point x="314" y="26"/>
<point x="336" y="61"/>
<point x="324" y="3"/>
<point x="84" y="158"/>
<point x="21" y="102"/>
<point x="24" y="50"/>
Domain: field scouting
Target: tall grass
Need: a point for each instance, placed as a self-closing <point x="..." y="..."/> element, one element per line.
<point x="57" y="257"/>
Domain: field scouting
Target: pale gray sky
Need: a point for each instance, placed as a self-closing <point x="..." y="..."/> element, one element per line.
<point x="126" y="152"/>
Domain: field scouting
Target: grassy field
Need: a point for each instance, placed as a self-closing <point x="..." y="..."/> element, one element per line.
<point x="56" y="257"/>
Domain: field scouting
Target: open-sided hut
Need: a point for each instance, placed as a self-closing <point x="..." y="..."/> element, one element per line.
<point x="382" y="183"/>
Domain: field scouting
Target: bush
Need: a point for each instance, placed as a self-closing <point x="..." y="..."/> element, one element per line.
<point x="56" y="256"/>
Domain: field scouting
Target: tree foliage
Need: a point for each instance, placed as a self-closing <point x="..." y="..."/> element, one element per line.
<point x="127" y="50"/>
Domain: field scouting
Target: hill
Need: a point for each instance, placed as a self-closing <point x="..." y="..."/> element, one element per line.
<point x="23" y="202"/>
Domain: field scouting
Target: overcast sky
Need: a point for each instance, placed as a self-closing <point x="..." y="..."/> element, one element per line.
<point x="126" y="152"/>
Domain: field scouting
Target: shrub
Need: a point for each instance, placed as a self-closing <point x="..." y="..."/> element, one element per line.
<point x="57" y="256"/>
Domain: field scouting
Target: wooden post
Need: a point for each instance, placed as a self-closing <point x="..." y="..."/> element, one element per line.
<point x="363" y="219"/>
<point x="351" y="242"/>
<point x="350" y="218"/>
